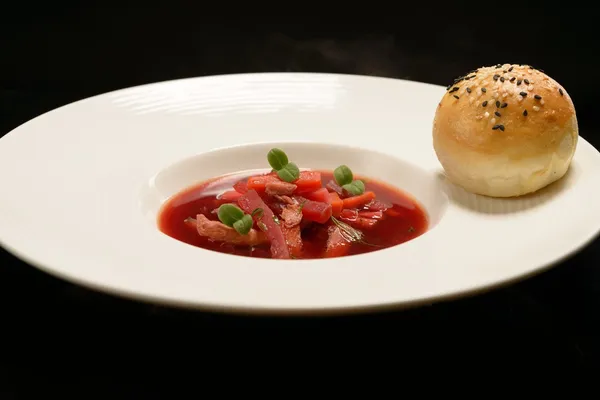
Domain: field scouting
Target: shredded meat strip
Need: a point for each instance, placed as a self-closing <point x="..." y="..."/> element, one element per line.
<point x="279" y="188"/>
<point x="217" y="231"/>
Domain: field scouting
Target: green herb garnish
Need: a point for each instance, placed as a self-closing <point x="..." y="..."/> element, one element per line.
<point x="257" y="212"/>
<point x="235" y="218"/>
<point x="345" y="178"/>
<point x="279" y="161"/>
<point x="289" y="173"/>
<point x="355" y="188"/>
<point x="243" y="226"/>
<point x="343" y="175"/>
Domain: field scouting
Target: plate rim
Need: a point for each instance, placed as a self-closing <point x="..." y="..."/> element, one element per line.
<point x="132" y="294"/>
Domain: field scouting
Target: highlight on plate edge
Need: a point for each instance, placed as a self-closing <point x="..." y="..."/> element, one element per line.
<point x="500" y="131"/>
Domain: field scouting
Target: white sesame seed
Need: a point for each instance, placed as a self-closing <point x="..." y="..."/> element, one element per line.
<point x="493" y="120"/>
<point x="519" y="98"/>
<point x="504" y="95"/>
<point x="542" y="101"/>
<point x="530" y="71"/>
<point x="495" y="95"/>
<point x="487" y="114"/>
<point x="530" y="88"/>
<point x="479" y="117"/>
<point x="536" y="108"/>
<point x="471" y="99"/>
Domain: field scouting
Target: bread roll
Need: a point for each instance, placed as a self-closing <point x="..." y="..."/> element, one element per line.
<point x="505" y="130"/>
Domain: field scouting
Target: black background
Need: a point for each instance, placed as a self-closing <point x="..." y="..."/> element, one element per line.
<point x="54" y="55"/>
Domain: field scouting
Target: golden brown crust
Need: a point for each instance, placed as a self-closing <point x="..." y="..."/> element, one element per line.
<point x="505" y="130"/>
<point x="467" y="121"/>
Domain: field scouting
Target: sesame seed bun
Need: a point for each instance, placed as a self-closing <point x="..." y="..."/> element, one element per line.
<point x="505" y="131"/>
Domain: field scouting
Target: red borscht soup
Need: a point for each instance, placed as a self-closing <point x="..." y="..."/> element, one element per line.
<point x="286" y="213"/>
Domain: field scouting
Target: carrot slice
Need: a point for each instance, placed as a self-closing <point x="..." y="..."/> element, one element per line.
<point x="336" y="204"/>
<point x="259" y="182"/>
<point x="241" y="186"/>
<point x="316" y="211"/>
<point x="357" y="201"/>
<point x="308" y="181"/>
<point x="230" y="195"/>
<point x="321" y="195"/>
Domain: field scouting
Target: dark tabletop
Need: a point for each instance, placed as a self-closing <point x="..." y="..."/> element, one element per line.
<point x="57" y="55"/>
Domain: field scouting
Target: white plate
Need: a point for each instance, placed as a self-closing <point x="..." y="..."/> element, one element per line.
<point x="81" y="187"/>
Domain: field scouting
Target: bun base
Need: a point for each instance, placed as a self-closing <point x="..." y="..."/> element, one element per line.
<point x="496" y="175"/>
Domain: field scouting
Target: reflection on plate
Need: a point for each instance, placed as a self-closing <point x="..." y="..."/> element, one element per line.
<point x="82" y="200"/>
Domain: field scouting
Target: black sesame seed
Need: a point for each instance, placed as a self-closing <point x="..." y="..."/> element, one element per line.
<point x="519" y="82"/>
<point x="454" y="89"/>
<point x="510" y="69"/>
<point x="467" y="78"/>
<point x="484" y="104"/>
<point x="483" y="89"/>
<point x="526" y="81"/>
<point x="497" y="114"/>
<point x="537" y="97"/>
<point x="503" y="71"/>
<point x="560" y="91"/>
<point x="502" y="79"/>
<point x="524" y="94"/>
<point x="525" y="112"/>
<point x="541" y="70"/>
<point x="496" y="77"/>
<point x="497" y="104"/>
<point x="468" y="90"/>
<point x="499" y="126"/>
<point x="456" y="97"/>
<point x="504" y="105"/>
<point x="512" y="79"/>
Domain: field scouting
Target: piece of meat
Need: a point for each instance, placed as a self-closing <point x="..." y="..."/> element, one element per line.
<point x="279" y="188"/>
<point x="219" y="232"/>
<point x="378" y="205"/>
<point x="337" y="244"/>
<point x="285" y="199"/>
<point x="291" y="215"/>
<point x="293" y="238"/>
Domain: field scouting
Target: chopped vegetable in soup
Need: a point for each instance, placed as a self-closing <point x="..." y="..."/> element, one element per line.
<point x="286" y="213"/>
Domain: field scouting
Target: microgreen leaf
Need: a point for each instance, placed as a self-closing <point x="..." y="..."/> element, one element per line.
<point x="343" y="175"/>
<point x="277" y="159"/>
<point x="289" y="173"/>
<point x="229" y="214"/>
<point x="243" y="225"/>
<point x="355" y="188"/>
<point x="258" y="212"/>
